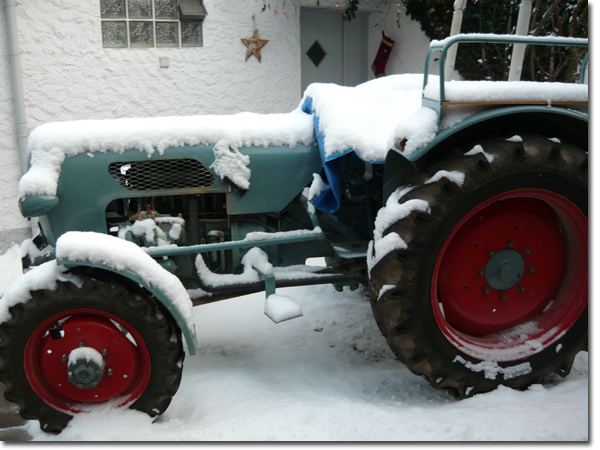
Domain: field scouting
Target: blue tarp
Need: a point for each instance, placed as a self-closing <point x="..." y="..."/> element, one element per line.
<point x="329" y="200"/>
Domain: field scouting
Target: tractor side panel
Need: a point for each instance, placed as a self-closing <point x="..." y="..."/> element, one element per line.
<point x="88" y="184"/>
<point x="278" y="175"/>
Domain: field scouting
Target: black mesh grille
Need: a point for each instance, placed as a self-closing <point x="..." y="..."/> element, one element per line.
<point x="161" y="174"/>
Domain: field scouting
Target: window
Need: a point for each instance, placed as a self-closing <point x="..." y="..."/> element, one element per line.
<point x="152" y="23"/>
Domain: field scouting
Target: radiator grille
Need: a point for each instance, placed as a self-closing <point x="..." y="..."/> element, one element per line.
<point x="161" y="174"/>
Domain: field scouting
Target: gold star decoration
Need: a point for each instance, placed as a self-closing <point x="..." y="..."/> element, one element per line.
<point x="254" y="45"/>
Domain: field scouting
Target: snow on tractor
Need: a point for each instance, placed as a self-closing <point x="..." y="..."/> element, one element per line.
<point x="461" y="206"/>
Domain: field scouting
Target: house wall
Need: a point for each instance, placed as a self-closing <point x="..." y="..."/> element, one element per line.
<point x="13" y="227"/>
<point x="68" y="75"/>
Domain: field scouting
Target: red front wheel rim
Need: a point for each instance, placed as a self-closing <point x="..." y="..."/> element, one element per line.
<point x="126" y="359"/>
<point x="511" y="277"/>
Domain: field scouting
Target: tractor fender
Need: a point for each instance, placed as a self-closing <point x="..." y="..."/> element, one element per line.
<point x="125" y="258"/>
<point x="562" y="123"/>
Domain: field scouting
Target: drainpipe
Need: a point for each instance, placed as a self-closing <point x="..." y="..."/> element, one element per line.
<point x="457" y="17"/>
<point x="17" y="81"/>
<point x="516" y="61"/>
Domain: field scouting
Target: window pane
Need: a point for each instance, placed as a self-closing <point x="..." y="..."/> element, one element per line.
<point x="140" y="9"/>
<point x="141" y="34"/>
<point x="167" y="34"/>
<point x="165" y="9"/>
<point x="112" y="9"/>
<point x="191" y="34"/>
<point x="114" y="34"/>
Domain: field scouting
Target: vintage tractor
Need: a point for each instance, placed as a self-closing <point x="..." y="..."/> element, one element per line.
<point x="469" y="231"/>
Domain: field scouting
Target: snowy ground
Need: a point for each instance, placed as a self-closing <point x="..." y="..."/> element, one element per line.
<point x="327" y="376"/>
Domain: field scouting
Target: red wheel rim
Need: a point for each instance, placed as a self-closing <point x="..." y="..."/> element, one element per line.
<point x="126" y="358"/>
<point x="511" y="278"/>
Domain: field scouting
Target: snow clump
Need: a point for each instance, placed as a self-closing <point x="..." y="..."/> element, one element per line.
<point x="454" y="175"/>
<point x="384" y="289"/>
<point x="43" y="277"/>
<point x="507" y="91"/>
<point x="416" y="131"/>
<point x="317" y="187"/>
<point x="279" y="308"/>
<point x="86" y="353"/>
<point x="491" y="369"/>
<point x="388" y="215"/>
<point x="255" y="257"/>
<point x="393" y="211"/>
<point x="121" y="255"/>
<point x="363" y="118"/>
<point x="11" y="267"/>
<point x="479" y="149"/>
<point x="232" y="165"/>
<point x="515" y="138"/>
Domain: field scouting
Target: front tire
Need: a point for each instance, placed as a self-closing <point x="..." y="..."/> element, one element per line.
<point x="135" y="347"/>
<point x="492" y="285"/>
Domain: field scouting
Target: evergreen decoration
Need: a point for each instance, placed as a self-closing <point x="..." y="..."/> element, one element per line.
<point x="350" y="12"/>
<point x="492" y="61"/>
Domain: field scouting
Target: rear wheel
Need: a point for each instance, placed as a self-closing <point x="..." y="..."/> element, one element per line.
<point x="492" y="285"/>
<point x="94" y="341"/>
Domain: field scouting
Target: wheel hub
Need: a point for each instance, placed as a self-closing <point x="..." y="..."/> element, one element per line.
<point x="85" y="372"/>
<point x="504" y="270"/>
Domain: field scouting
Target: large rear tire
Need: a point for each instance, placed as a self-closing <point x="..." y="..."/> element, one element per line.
<point x="134" y="348"/>
<point x="488" y="281"/>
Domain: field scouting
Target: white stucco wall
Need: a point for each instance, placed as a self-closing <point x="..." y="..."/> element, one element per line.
<point x="68" y="75"/>
<point x="13" y="227"/>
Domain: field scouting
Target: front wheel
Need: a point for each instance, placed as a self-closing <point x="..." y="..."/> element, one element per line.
<point x="91" y="341"/>
<point x="489" y="283"/>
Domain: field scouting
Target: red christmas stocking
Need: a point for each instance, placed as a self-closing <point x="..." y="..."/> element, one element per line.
<point x="383" y="54"/>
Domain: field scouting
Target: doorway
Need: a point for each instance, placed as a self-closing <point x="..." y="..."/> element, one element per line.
<point x="333" y="50"/>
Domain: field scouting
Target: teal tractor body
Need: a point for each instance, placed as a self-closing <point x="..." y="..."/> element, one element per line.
<point x="471" y="245"/>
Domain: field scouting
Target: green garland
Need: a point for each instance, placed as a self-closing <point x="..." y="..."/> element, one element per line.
<point x="349" y="12"/>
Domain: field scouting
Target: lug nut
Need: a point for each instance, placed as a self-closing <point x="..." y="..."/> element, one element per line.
<point x="522" y="288"/>
<point x="64" y="358"/>
<point x="509" y="243"/>
<point x="104" y="352"/>
<point x="502" y="297"/>
<point x="526" y="251"/>
<point x="479" y="272"/>
<point x="109" y="372"/>
<point x="486" y="290"/>
<point x="531" y="269"/>
<point x="82" y="344"/>
<point x="490" y="252"/>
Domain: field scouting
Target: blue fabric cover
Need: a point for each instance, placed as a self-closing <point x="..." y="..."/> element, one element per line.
<point x="329" y="200"/>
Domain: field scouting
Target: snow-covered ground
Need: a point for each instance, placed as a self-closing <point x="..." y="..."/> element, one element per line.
<point x="327" y="376"/>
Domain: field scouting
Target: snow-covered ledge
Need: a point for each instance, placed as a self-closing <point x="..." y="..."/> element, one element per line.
<point x="507" y="91"/>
